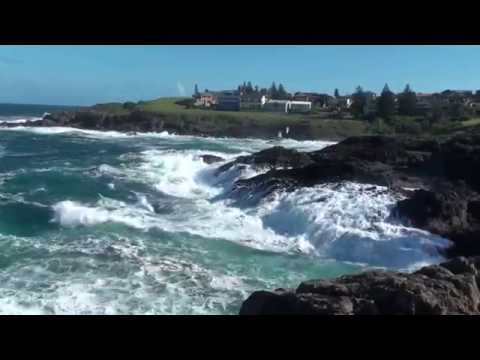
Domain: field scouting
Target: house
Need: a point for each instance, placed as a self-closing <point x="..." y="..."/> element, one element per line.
<point x="206" y="99"/>
<point x="423" y="106"/>
<point x="475" y="106"/>
<point x="462" y="93"/>
<point x="370" y="107"/>
<point x="276" y="105"/>
<point x="457" y="96"/>
<point x="299" y="106"/>
<point x="287" y="106"/>
<point x="425" y="102"/>
<point x="342" y="102"/>
<point x="228" y="100"/>
<point x="252" y="102"/>
<point x="321" y="100"/>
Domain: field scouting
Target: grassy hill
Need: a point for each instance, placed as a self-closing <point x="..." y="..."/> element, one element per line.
<point x="239" y="123"/>
<point x="268" y="124"/>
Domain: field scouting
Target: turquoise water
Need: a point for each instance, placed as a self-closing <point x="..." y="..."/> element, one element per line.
<point x="104" y="223"/>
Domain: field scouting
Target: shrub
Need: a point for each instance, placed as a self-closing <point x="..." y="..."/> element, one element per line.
<point x="129" y="105"/>
<point x="188" y="103"/>
<point x="407" y="125"/>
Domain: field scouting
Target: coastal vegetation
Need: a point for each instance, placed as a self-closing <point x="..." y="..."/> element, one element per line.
<point x="180" y="110"/>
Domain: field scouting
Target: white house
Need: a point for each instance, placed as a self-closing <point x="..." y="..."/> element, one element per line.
<point x="299" y="106"/>
<point x="287" y="106"/>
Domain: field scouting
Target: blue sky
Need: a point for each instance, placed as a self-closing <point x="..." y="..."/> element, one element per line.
<point x="85" y="75"/>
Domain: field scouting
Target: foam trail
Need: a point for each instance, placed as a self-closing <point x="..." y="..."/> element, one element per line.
<point x="19" y="120"/>
<point x="351" y="222"/>
<point x="248" y="145"/>
<point x="348" y="222"/>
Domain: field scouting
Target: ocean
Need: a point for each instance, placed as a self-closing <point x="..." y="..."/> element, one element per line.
<point x="108" y="223"/>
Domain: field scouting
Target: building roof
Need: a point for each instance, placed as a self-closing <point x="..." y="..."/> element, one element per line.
<point x="313" y="94"/>
<point x="300" y="102"/>
<point x="289" y="102"/>
<point x="457" y="92"/>
<point x="278" y="101"/>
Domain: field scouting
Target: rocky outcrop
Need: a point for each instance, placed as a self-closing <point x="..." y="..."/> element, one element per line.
<point x="451" y="210"/>
<point x="272" y="158"/>
<point x="447" y="202"/>
<point x="448" y="288"/>
<point x="398" y="163"/>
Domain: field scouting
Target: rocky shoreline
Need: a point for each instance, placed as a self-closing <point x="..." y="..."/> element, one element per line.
<point x="439" y="180"/>
<point x="440" y="184"/>
<point x="449" y="288"/>
<point x="138" y="121"/>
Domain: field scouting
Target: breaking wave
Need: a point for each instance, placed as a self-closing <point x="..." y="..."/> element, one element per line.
<point x="347" y="221"/>
<point x="140" y="224"/>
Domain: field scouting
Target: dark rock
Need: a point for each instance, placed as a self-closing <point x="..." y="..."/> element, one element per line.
<point x="449" y="288"/>
<point x="450" y="211"/>
<point x="272" y="158"/>
<point x="210" y="159"/>
<point x="385" y="161"/>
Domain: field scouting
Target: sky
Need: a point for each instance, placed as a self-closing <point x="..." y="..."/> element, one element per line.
<point x="86" y="75"/>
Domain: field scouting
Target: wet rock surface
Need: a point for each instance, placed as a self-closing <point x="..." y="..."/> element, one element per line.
<point x="448" y="288"/>
<point x="438" y="179"/>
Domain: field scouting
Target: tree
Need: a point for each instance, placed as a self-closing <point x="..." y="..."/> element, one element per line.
<point x="249" y="89"/>
<point x="458" y="112"/>
<point x="359" y="100"/>
<point x="281" y="92"/>
<point x="336" y="93"/>
<point x="407" y="102"/>
<point x="438" y="114"/>
<point x="272" y="92"/>
<point x="386" y="103"/>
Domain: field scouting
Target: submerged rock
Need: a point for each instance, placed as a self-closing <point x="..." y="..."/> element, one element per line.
<point x="210" y="159"/>
<point x="449" y="288"/>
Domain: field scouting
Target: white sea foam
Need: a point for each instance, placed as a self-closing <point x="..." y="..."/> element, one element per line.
<point x="19" y="120"/>
<point x="54" y="130"/>
<point x="240" y="144"/>
<point x="347" y="222"/>
<point x="351" y="222"/>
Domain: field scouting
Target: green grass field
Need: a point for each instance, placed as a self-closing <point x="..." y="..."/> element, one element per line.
<point x="241" y="123"/>
<point x="168" y="106"/>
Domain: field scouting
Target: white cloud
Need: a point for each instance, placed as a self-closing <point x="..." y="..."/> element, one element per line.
<point x="181" y="89"/>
